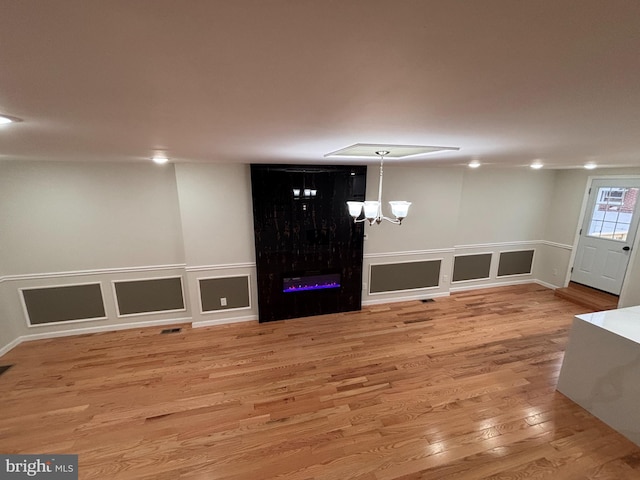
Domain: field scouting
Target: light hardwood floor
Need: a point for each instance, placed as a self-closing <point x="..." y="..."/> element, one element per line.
<point x="460" y="388"/>
<point x="590" y="298"/>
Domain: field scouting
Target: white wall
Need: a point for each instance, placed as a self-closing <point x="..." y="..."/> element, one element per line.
<point x="504" y="205"/>
<point x="217" y="227"/>
<point x="433" y="215"/>
<point x="216" y="213"/>
<point x="8" y="331"/>
<point x="565" y="206"/>
<point x="458" y="211"/>
<point x="59" y="217"/>
<point x="562" y="226"/>
<point x="552" y="264"/>
<point x="630" y="294"/>
<point x="65" y="223"/>
<point x="567" y="201"/>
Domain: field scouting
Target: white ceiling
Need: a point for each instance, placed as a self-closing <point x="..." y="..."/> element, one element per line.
<point x="287" y="81"/>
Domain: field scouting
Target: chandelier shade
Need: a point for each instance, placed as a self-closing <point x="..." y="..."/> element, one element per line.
<point x="372" y="209"/>
<point x="355" y="208"/>
<point x="400" y="208"/>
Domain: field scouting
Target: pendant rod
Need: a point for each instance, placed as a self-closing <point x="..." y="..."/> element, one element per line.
<point x="379" y="217"/>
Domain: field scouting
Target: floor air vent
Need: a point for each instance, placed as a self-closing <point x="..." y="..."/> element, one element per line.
<point x="427" y="300"/>
<point x="171" y="330"/>
<point x="4" y="368"/>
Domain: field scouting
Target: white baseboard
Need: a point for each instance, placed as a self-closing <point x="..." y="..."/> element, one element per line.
<point x="223" y="321"/>
<point x="420" y="296"/>
<point x="86" y="330"/>
<point x="105" y="328"/>
<point x="12" y="344"/>
<point x="545" y="284"/>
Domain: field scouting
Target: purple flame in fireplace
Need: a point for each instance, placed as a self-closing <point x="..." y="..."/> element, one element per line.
<point x="311" y="282"/>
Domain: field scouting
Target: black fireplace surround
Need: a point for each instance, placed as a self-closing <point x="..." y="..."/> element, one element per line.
<point x="308" y="250"/>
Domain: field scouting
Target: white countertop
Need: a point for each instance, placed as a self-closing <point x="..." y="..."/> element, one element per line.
<point x="622" y="321"/>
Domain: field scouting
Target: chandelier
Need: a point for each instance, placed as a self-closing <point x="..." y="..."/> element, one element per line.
<point x="373" y="209"/>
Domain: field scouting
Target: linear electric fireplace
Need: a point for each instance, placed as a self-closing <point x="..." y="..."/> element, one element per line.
<point x="313" y="281"/>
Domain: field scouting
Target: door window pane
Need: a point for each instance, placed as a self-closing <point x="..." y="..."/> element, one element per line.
<point x="611" y="196"/>
<point x="595" y="228"/>
<point x="621" y="232"/>
<point x="612" y="213"/>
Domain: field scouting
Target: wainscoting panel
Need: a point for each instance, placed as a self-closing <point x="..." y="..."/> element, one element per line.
<point x="57" y="304"/>
<point x="68" y="303"/>
<point x="510" y="263"/>
<point x="403" y="276"/>
<point x="52" y="304"/>
<point x="236" y="282"/>
<point x="234" y="290"/>
<point x="150" y="295"/>
<point x="515" y="263"/>
<point x="471" y="267"/>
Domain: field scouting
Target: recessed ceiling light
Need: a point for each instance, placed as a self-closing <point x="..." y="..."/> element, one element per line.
<point x="160" y="159"/>
<point x="474" y="164"/>
<point x="537" y="165"/>
<point x="5" y="119"/>
<point x="590" y="166"/>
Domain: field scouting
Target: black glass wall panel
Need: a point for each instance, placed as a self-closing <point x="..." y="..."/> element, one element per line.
<point x="303" y="232"/>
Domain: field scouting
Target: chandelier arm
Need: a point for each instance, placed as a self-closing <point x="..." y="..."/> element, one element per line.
<point x="396" y="221"/>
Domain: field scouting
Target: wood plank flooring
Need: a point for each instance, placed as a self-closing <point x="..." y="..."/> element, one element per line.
<point x="462" y="388"/>
<point x="589" y="298"/>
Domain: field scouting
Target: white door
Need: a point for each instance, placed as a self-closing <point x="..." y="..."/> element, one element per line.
<point x="607" y="234"/>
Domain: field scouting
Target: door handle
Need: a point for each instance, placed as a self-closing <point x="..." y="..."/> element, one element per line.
<point x="626" y="248"/>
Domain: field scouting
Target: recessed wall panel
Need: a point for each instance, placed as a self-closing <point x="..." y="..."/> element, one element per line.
<point x="613" y="265"/>
<point x="392" y="277"/>
<point x="471" y="267"/>
<point x="149" y="295"/>
<point x="588" y="259"/>
<point x="63" y="303"/>
<point x="234" y="291"/>
<point x="515" y="263"/>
